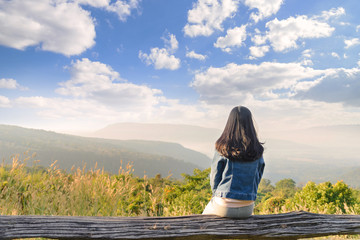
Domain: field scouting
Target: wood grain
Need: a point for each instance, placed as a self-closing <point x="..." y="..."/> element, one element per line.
<point x="291" y="225"/>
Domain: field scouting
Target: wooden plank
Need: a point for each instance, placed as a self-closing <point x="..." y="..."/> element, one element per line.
<point x="292" y="225"/>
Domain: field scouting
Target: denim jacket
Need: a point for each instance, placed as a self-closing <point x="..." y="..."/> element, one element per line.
<point x="235" y="179"/>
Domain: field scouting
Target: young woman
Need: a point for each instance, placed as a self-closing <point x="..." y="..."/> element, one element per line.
<point x="237" y="167"/>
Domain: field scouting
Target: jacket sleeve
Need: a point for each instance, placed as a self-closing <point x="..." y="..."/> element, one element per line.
<point x="217" y="168"/>
<point x="261" y="168"/>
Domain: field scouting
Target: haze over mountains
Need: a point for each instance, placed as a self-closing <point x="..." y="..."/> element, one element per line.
<point x="317" y="154"/>
<point x="197" y="138"/>
<point x="148" y="157"/>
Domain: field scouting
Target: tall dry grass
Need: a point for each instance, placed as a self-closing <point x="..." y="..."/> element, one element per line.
<point x="52" y="191"/>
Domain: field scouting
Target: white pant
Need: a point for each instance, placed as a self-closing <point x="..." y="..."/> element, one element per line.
<point x="238" y="212"/>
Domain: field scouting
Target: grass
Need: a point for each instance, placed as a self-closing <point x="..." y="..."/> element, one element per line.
<point x="38" y="191"/>
<point x="52" y="191"/>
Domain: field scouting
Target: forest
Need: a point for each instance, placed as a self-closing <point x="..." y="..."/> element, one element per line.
<point x="37" y="190"/>
<point x="150" y="156"/>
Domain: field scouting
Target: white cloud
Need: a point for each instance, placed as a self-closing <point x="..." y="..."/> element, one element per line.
<point x="266" y="8"/>
<point x="338" y="86"/>
<point x="87" y="77"/>
<point x="8" y="83"/>
<point x="34" y="102"/>
<point x="308" y="53"/>
<point x="195" y="55"/>
<point x="335" y="55"/>
<point x="206" y="16"/>
<point x="171" y="44"/>
<point x="307" y="62"/>
<point x="161" y="58"/>
<point x="344" y="23"/>
<point x="95" y="95"/>
<point x="283" y="114"/>
<point x="234" y="83"/>
<point x="123" y="8"/>
<point x="258" y="38"/>
<point x="357" y="28"/>
<point x="306" y="56"/>
<point x="47" y="24"/>
<point x="94" y="3"/>
<point x="258" y="51"/>
<point x="4" y="102"/>
<point x="332" y="13"/>
<point x="76" y="110"/>
<point x="234" y="38"/>
<point x="351" y="42"/>
<point x="95" y="81"/>
<point x="283" y="34"/>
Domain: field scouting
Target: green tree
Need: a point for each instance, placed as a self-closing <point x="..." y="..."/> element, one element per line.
<point x="325" y="198"/>
<point x="190" y="196"/>
<point x="265" y="186"/>
<point x="264" y="192"/>
<point x="285" y="188"/>
<point x="273" y="205"/>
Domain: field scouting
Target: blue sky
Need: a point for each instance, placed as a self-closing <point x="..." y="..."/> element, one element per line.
<point x="79" y="65"/>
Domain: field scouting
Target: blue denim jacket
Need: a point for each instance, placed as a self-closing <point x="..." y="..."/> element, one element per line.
<point x="235" y="179"/>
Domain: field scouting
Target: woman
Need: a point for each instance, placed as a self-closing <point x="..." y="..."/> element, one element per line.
<point x="237" y="167"/>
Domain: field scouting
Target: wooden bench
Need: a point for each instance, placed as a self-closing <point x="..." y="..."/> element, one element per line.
<point x="291" y="225"/>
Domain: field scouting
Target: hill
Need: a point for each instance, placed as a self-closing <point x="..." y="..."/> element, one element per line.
<point x="340" y="141"/>
<point x="304" y="155"/>
<point x="317" y="154"/>
<point x="303" y="163"/>
<point x="147" y="156"/>
<point x="197" y="138"/>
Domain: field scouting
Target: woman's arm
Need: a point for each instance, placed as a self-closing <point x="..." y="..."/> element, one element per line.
<point x="261" y="168"/>
<point x="217" y="168"/>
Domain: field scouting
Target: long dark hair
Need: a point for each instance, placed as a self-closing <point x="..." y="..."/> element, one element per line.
<point x="239" y="140"/>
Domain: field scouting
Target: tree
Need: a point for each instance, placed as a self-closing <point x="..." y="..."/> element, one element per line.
<point x="285" y="188"/>
<point x="325" y="198"/>
<point x="273" y="205"/>
<point x="265" y="186"/>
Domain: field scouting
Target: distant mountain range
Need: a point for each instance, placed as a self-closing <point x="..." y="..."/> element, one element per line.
<point x="148" y="157"/>
<point x="197" y="138"/>
<point x="317" y="154"/>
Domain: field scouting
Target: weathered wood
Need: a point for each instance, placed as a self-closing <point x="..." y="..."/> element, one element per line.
<point x="292" y="225"/>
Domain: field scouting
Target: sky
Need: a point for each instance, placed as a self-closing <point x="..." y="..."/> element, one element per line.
<point x="79" y="65"/>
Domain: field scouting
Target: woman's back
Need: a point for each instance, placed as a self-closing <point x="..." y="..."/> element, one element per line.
<point x="237" y="167"/>
<point x="236" y="179"/>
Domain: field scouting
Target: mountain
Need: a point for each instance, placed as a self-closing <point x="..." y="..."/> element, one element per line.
<point x="197" y="138"/>
<point x="303" y="163"/>
<point x="317" y="154"/>
<point x="173" y="150"/>
<point x="148" y="157"/>
<point x="339" y="143"/>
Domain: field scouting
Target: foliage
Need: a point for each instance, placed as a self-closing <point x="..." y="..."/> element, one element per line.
<point x="285" y="188"/>
<point x="325" y="197"/>
<point x="39" y="191"/>
<point x="150" y="156"/>
<point x="36" y="191"/>
<point x="192" y="195"/>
